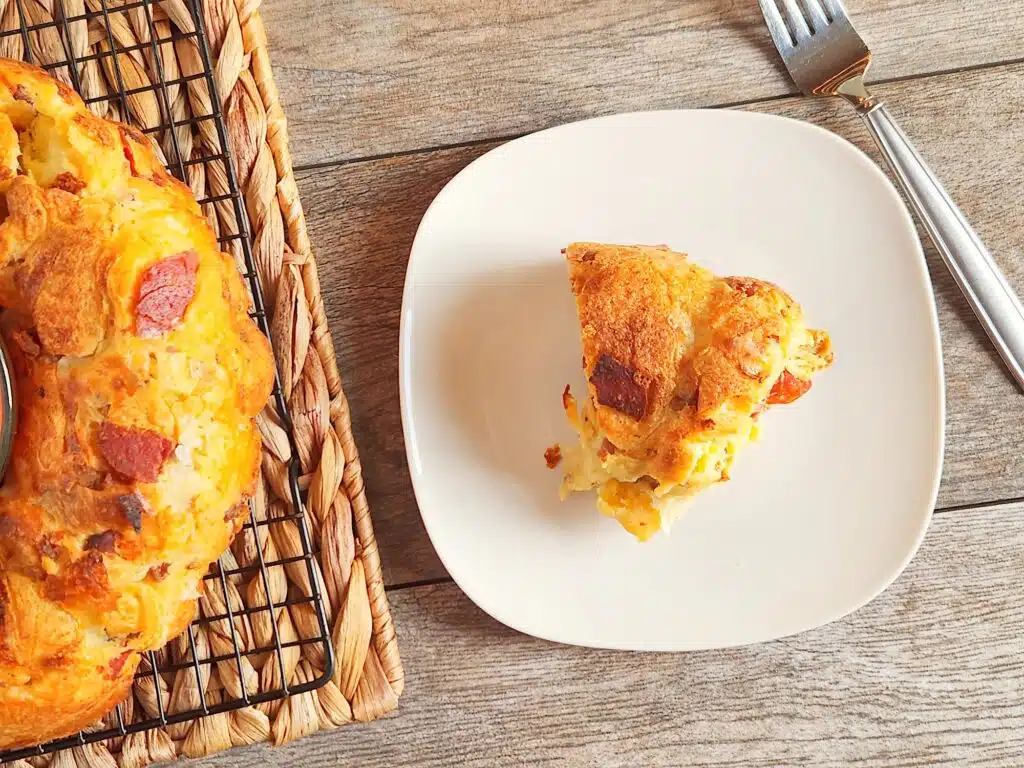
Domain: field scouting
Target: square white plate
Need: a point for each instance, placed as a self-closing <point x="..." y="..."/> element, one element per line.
<point x="822" y="513"/>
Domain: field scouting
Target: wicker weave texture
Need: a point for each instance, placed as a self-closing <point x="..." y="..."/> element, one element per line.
<point x="155" y="43"/>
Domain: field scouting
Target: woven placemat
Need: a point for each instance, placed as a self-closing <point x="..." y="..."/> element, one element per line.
<point x="368" y="676"/>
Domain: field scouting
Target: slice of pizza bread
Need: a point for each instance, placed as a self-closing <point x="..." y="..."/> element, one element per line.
<point x="679" y="364"/>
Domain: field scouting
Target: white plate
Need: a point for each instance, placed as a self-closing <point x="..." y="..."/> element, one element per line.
<point x="822" y="513"/>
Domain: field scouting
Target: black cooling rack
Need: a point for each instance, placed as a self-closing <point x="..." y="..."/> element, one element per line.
<point x="104" y="13"/>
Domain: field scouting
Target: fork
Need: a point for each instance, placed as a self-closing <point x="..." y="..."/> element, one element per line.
<point x="826" y="56"/>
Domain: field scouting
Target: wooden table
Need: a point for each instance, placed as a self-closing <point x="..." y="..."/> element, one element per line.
<point x="387" y="100"/>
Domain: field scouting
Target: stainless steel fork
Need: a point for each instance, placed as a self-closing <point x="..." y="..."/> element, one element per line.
<point x="826" y="57"/>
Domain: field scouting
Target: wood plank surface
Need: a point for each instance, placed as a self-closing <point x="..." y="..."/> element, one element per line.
<point x="363" y="217"/>
<point x="929" y="673"/>
<point x="366" y="78"/>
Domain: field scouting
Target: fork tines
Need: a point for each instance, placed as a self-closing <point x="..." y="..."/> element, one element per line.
<point x="797" y="21"/>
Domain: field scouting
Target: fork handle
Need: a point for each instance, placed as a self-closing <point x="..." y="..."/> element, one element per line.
<point x="987" y="290"/>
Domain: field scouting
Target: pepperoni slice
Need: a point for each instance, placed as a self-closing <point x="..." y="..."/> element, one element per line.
<point x="165" y="291"/>
<point x="787" y="389"/>
<point x="135" y="454"/>
<point x="616" y="387"/>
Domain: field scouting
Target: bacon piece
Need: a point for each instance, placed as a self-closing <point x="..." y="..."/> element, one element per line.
<point x="165" y="292"/>
<point x="132" y="507"/>
<point x="135" y="454"/>
<point x="553" y="456"/>
<point x="616" y="387"/>
<point x="787" y="389"/>
<point x="159" y="572"/>
<point x="102" y="542"/>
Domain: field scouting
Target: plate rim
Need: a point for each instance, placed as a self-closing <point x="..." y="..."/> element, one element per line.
<point x="404" y="345"/>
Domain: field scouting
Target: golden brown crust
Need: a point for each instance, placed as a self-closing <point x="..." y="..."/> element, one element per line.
<point x="671" y="352"/>
<point x="139" y="376"/>
<point x="38" y="714"/>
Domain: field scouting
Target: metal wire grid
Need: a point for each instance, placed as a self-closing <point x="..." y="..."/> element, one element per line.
<point x="238" y="241"/>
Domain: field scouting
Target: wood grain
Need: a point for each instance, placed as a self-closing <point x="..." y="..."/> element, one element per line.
<point x="929" y="673"/>
<point x="361" y="79"/>
<point x="364" y="215"/>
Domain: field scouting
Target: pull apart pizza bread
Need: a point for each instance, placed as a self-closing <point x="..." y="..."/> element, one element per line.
<point x="139" y="375"/>
<point x="679" y="365"/>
